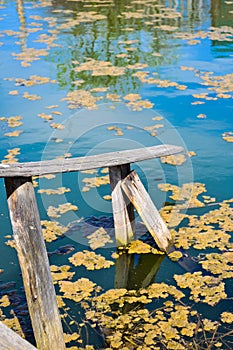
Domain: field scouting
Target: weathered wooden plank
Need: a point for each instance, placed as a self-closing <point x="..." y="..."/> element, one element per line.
<point x="33" y="259"/>
<point x="141" y="200"/>
<point x="9" y="340"/>
<point x="86" y="163"/>
<point x="123" y="211"/>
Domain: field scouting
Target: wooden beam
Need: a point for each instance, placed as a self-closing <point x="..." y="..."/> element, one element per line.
<point x="86" y="163"/>
<point x="12" y="341"/>
<point x="123" y="211"/>
<point x="34" y="263"/>
<point x="141" y="200"/>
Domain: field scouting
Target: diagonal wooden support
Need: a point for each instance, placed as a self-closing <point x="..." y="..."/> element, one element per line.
<point x="123" y="212"/>
<point x="34" y="263"/>
<point x="141" y="200"/>
<point x="10" y="340"/>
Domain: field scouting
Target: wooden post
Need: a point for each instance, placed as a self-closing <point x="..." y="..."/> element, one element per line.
<point x="12" y="341"/>
<point x="123" y="212"/>
<point x="34" y="263"/>
<point x="141" y="200"/>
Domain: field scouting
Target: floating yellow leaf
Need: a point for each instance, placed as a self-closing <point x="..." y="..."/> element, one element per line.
<point x="227" y="317"/>
<point x="54" y="212"/>
<point x="78" y="290"/>
<point x="59" y="190"/>
<point x="99" y="238"/>
<point x="60" y="273"/>
<point x="52" y="230"/>
<point x="90" y="260"/>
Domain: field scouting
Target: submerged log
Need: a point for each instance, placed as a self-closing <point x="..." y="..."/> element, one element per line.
<point x="123" y="211"/>
<point x="34" y="263"/>
<point x="12" y="341"/>
<point x="141" y="200"/>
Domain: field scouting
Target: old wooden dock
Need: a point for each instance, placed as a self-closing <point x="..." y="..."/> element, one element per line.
<point x="127" y="192"/>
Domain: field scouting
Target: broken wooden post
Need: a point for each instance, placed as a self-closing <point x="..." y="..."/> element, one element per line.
<point x="123" y="212"/>
<point x="141" y="200"/>
<point x="10" y="340"/>
<point x="34" y="263"/>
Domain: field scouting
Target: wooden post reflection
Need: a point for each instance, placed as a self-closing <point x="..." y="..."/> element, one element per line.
<point x="22" y="21"/>
<point x="135" y="271"/>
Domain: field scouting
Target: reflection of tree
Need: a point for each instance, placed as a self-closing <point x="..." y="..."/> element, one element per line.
<point x="220" y="14"/>
<point x="100" y="39"/>
<point x="22" y="20"/>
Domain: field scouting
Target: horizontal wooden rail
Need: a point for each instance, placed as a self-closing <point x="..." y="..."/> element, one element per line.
<point x="85" y="163"/>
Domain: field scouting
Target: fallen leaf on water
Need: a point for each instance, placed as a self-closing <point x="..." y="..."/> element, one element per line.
<point x="90" y="260"/>
<point x="99" y="238"/>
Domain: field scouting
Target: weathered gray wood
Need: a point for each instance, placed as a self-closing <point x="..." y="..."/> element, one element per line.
<point x="123" y="211"/>
<point x="141" y="200"/>
<point x="86" y="163"/>
<point x="33" y="259"/>
<point x="9" y="340"/>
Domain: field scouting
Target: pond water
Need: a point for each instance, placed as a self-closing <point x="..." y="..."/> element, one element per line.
<point x="86" y="77"/>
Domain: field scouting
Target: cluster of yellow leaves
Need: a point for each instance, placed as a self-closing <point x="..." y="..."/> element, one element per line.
<point x="13" y="122"/>
<point x="177" y="159"/>
<point x="90" y="260"/>
<point x="162" y="290"/>
<point x="52" y="230"/>
<point x="228" y="136"/>
<point x="60" y="273"/>
<point x="71" y="337"/>
<point x="10" y="157"/>
<point x="206" y="289"/>
<point x="153" y="128"/>
<point x="54" y="212"/>
<point x="78" y="290"/>
<point x="99" y="238"/>
<point x="187" y="193"/>
<point x="208" y="230"/>
<point x="4" y="301"/>
<point x="219" y="264"/>
<point x="215" y="33"/>
<point x="201" y="237"/>
<point x="33" y="80"/>
<point x="81" y="98"/>
<point x="172" y="216"/>
<point x="119" y="131"/>
<point x="140" y="104"/>
<point x="58" y="126"/>
<point x="29" y="55"/>
<point x="92" y="182"/>
<point x="175" y="255"/>
<point x="139" y="247"/>
<point x="227" y="317"/>
<point x="15" y="133"/>
<point x="167" y="325"/>
<point x="31" y="97"/>
<point x="160" y="83"/>
<point x="99" y="68"/>
<point x="59" y="190"/>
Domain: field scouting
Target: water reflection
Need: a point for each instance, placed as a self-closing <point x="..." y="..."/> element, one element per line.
<point x="126" y="33"/>
<point x="221" y="13"/>
<point x="135" y="271"/>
